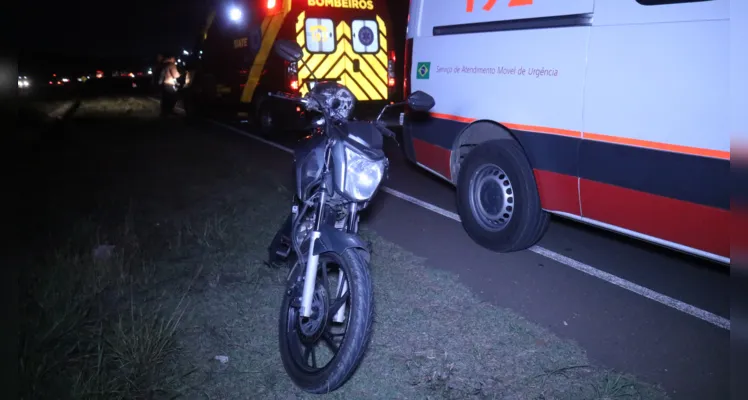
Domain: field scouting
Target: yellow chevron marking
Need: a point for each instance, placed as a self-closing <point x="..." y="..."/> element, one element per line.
<point x="312" y="62"/>
<point x="382" y="26"/>
<point x="339" y="67"/>
<point x="343" y="30"/>
<point x="371" y="62"/>
<point x="339" y="72"/>
<point x="300" y="21"/>
<point x="382" y="57"/>
<point x="339" y="64"/>
<point x="374" y="89"/>
<point x="329" y="62"/>
<point x="350" y="83"/>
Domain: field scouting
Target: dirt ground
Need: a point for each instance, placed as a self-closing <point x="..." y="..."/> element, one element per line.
<point x="149" y="268"/>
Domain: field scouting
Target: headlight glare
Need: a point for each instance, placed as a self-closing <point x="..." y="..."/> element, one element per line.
<point x="362" y="175"/>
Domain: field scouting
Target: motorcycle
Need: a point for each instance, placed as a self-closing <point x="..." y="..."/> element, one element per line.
<point x="328" y="305"/>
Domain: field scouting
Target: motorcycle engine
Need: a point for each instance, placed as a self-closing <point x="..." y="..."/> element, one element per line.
<point x="338" y="97"/>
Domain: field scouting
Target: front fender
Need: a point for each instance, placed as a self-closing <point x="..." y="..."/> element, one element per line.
<point x="333" y="240"/>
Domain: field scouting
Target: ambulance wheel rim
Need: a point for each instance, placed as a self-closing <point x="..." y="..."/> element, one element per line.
<point x="266" y="118"/>
<point x="491" y="197"/>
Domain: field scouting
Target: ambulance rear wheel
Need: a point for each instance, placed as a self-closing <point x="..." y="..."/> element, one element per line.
<point x="265" y="117"/>
<point x="497" y="198"/>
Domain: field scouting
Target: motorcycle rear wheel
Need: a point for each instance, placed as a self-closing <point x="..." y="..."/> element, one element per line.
<point x="303" y="340"/>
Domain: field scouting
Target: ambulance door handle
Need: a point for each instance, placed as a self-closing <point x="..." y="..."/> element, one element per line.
<point x="356" y="65"/>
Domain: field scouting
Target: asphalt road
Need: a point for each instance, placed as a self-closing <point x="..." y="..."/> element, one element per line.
<point x="619" y="329"/>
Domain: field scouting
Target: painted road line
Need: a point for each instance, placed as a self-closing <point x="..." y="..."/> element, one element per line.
<point x="668" y="301"/>
<point x="255" y="137"/>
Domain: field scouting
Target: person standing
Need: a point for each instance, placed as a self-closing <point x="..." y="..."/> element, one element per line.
<point x="156" y="70"/>
<point x="169" y="89"/>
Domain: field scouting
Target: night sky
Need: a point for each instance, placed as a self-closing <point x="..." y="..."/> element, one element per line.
<point x="134" y="29"/>
<point x="113" y="28"/>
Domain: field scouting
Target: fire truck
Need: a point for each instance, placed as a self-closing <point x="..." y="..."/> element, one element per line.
<point x="232" y="66"/>
<point x="614" y="113"/>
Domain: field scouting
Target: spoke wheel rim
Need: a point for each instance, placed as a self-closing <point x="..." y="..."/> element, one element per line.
<point x="306" y="338"/>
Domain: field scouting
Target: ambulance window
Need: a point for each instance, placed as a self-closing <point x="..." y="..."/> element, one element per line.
<point x="320" y="35"/>
<point x="365" y="36"/>
<point x="664" y="2"/>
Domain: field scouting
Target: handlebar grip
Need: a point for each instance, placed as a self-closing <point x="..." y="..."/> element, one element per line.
<point x="385" y="130"/>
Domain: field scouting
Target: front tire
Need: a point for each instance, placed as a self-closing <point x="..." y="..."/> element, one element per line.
<point x="302" y="340"/>
<point x="497" y="198"/>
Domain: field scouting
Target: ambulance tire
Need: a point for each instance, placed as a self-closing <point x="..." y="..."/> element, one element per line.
<point x="264" y="116"/>
<point x="500" y="168"/>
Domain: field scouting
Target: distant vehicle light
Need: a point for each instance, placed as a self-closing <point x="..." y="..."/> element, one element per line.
<point x="235" y="14"/>
<point x="66" y="80"/>
<point x="185" y="52"/>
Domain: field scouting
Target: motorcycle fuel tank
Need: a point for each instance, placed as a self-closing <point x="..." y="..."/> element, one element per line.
<point x="309" y="160"/>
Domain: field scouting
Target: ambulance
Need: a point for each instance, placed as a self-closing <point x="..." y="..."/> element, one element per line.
<point x="233" y="67"/>
<point x="614" y="113"/>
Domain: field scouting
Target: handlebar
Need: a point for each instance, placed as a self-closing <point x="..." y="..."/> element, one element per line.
<point x="284" y="96"/>
<point x="384" y="129"/>
<point x="309" y="103"/>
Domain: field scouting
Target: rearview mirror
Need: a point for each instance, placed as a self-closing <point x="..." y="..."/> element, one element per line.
<point x="421" y="101"/>
<point x="288" y="50"/>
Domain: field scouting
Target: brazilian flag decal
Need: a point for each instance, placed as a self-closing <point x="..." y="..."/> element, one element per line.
<point x="422" y="71"/>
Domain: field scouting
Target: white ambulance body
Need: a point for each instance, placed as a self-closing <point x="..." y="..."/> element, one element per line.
<point x="614" y="113"/>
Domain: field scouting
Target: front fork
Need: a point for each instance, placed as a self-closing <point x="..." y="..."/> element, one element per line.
<point x="312" y="265"/>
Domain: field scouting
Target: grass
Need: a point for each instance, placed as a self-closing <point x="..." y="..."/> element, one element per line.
<point x="183" y="305"/>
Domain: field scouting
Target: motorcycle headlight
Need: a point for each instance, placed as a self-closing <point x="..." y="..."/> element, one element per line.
<point x="362" y="175"/>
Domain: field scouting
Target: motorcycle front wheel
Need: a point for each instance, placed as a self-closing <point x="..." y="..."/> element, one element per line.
<point x="339" y="328"/>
